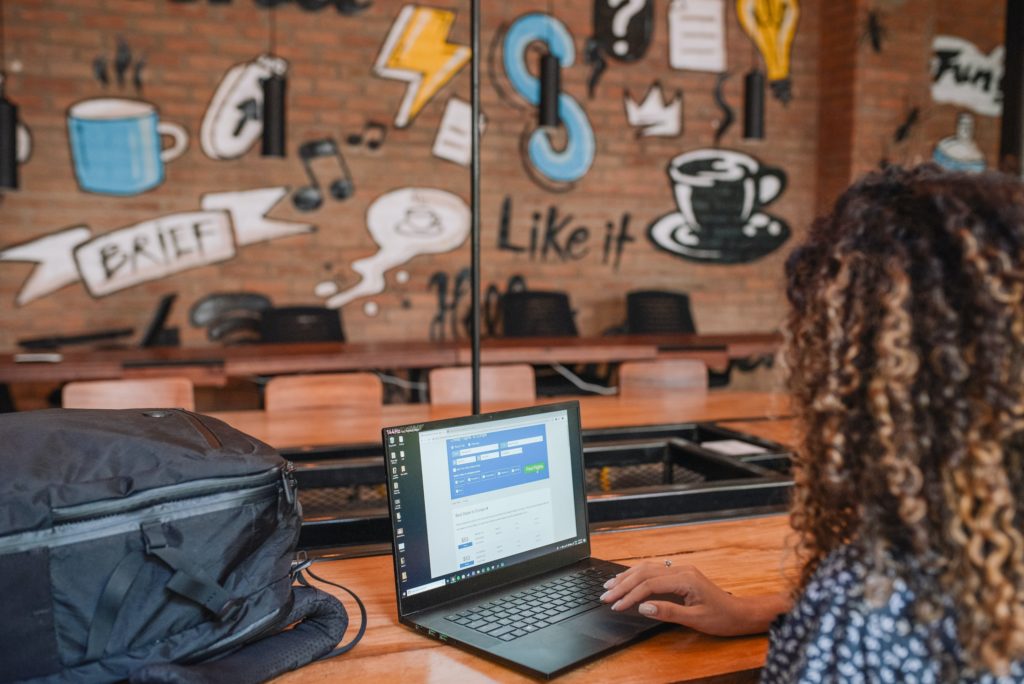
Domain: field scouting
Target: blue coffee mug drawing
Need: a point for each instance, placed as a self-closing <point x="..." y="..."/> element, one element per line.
<point x="116" y="146"/>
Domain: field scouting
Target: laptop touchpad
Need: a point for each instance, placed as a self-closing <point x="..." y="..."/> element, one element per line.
<point x="611" y="627"/>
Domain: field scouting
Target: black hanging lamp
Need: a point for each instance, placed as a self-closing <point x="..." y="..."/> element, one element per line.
<point x="550" y="85"/>
<point x="8" y="124"/>
<point x="275" y="86"/>
<point x="550" y="89"/>
<point x="753" y="99"/>
<point x="753" y="105"/>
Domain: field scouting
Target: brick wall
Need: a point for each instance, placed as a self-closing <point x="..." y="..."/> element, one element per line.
<point x="188" y="47"/>
<point x="867" y="95"/>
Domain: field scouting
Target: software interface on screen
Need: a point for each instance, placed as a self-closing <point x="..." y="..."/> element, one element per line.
<point x="473" y="498"/>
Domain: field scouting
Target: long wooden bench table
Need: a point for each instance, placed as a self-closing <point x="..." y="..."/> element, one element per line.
<point x="745" y="556"/>
<point x="316" y="427"/>
<point x="213" y="365"/>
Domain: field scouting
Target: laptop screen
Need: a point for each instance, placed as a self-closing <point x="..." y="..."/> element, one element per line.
<point x="485" y="499"/>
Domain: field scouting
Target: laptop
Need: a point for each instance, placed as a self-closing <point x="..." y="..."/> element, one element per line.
<point x="491" y="545"/>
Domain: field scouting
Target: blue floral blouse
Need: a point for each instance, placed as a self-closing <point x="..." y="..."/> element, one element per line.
<point x="833" y="635"/>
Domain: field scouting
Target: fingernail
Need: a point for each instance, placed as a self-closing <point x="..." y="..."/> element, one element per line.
<point x="610" y="583"/>
<point x="615" y="606"/>
<point x="604" y="596"/>
<point x="648" y="609"/>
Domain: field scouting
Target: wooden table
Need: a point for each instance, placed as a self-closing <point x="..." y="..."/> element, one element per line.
<point x="744" y="556"/>
<point x="212" y="365"/>
<point x="317" y="427"/>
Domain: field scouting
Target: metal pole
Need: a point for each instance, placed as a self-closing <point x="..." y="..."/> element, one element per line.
<point x="1011" y="139"/>
<point x="474" y="201"/>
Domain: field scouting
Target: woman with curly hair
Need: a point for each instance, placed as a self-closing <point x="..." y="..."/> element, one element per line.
<point x="905" y="352"/>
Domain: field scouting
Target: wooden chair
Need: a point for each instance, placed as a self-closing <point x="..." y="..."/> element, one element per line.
<point x="356" y="390"/>
<point x="639" y="378"/>
<point x="129" y="393"/>
<point x="510" y="383"/>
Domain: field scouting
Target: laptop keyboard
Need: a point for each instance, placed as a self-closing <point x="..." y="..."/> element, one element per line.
<point x="524" y="612"/>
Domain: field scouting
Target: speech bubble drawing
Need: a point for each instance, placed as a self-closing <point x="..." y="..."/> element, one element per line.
<point x="406" y="223"/>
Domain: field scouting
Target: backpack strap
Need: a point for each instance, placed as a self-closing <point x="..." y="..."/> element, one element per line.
<point x="109" y="606"/>
<point x="320" y="622"/>
<point x="189" y="580"/>
<point x="304" y="567"/>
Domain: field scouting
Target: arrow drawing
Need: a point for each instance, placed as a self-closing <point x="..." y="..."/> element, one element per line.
<point x="248" y="110"/>
<point x="417" y="51"/>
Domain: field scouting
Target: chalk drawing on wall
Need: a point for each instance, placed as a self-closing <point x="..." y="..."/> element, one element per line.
<point x="22" y="143"/>
<point x="372" y="136"/>
<point x="232" y="123"/>
<point x="894" y="148"/>
<point x="964" y="75"/>
<point x="406" y="223"/>
<point x="453" y="141"/>
<point x="451" y="293"/>
<point x="875" y="32"/>
<point x="771" y="24"/>
<point x="719" y="195"/>
<point x="728" y="117"/>
<point x="622" y="31"/>
<point x="325" y="289"/>
<point x="153" y="249"/>
<point x="341" y="186"/>
<point x="345" y="7"/>
<point x="116" y="146"/>
<point x="623" y="28"/>
<point x="654" y="117"/>
<point x="696" y="35"/>
<point x="123" y="59"/>
<point x="960" y="152"/>
<point x="546" y="164"/>
<point x="417" y="51"/>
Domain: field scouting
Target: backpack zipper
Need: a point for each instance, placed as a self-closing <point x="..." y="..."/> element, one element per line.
<point x="202" y="428"/>
<point x="129" y="521"/>
<point x="151" y="497"/>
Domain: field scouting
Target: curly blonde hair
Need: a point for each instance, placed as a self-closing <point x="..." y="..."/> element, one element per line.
<point x="905" y="350"/>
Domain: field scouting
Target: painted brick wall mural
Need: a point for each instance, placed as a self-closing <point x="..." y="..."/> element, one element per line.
<point x="142" y="171"/>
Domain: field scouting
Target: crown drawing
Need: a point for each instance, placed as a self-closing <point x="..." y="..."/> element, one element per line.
<point x="655" y="117"/>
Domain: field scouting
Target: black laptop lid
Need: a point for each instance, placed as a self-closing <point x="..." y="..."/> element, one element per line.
<point x="482" y="501"/>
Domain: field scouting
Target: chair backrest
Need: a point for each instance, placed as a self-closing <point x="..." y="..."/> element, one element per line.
<point x="323" y="390"/>
<point x="639" y="378"/>
<point x="301" y="324"/>
<point x="658" y="311"/>
<point x="533" y="313"/>
<point x="510" y="383"/>
<point x="129" y="393"/>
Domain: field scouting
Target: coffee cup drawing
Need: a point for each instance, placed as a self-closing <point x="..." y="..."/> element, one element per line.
<point x="116" y="145"/>
<point x="720" y="194"/>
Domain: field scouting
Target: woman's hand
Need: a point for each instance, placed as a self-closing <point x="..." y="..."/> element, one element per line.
<point x="701" y="604"/>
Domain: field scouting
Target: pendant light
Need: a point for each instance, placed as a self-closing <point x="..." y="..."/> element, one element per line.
<point x="8" y="123"/>
<point x="753" y="100"/>
<point x="550" y="89"/>
<point x="753" y="105"/>
<point x="274" y="143"/>
<point x="550" y="86"/>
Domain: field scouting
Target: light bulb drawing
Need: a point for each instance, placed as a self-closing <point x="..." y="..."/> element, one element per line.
<point x="771" y="24"/>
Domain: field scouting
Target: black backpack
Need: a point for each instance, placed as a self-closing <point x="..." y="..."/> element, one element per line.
<point x="152" y="545"/>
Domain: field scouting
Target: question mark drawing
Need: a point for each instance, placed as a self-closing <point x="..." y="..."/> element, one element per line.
<point x="620" y="23"/>
<point x="406" y="223"/>
<point x="623" y="28"/>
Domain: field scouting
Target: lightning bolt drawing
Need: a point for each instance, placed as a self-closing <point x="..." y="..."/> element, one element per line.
<point x="417" y="51"/>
